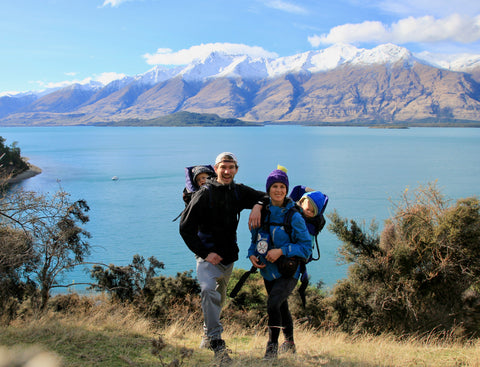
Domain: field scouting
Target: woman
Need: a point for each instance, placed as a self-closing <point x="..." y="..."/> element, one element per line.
<point x="270" y="246"/>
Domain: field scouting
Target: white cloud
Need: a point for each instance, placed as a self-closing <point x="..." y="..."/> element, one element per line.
<point x="166" y="56"/>
<point x="285" y="6"/>
<point x="457" y="28"/>
<point x="114" y="3"/>
<point x="106" y="78"/>
<point x="103" y="78"/>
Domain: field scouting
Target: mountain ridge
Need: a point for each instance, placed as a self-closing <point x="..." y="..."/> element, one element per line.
<point x="340" y="84"/>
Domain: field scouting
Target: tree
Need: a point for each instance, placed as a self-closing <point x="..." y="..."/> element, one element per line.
<point x="421" y="274"/>
<point x="49" y="238"/>
<point x="11" y="162"/>
<point x="16" y="260"/>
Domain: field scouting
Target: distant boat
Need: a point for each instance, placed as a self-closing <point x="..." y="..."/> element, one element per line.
<point x="115" y="178"/>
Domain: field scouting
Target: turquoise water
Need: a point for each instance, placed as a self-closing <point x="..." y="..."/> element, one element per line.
<point x="360" y="169"/>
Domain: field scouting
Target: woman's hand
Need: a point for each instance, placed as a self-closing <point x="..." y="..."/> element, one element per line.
<point x="274" y="254"/>
<point x="256" y="263"/>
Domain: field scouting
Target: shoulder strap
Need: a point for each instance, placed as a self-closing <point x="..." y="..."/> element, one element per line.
<point x="287" y="220"/>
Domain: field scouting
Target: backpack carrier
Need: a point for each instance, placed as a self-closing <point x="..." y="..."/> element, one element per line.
<point x="190" y="184"/>
<point x="315" y="226"/>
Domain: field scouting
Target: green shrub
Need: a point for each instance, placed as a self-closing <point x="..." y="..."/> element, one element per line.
<point x="125" y="283"/>
<point x="415" y="276"/>
<point x="163" y="294"/>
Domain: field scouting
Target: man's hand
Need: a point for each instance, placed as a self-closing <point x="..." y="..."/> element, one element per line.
<point x="255" y="218"/>
<point x="256" y="263"/>
<point x="213" y="258"/>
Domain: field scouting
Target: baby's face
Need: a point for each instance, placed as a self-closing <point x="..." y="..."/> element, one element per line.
<point x="201" y="179"/>
<point x="307" y="207"/>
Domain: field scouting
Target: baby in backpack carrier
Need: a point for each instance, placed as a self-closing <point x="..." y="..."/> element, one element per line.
<point x="312" y="202"/>
<point x="200" y="175"/>
<point x="196" y="177"/>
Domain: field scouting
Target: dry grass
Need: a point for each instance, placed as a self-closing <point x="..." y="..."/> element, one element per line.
<point x="113" y="335"/>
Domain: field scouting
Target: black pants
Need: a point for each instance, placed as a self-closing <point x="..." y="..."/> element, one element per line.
<point x="279" y="316"/>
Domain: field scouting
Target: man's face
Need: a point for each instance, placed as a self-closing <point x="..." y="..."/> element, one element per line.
<point x="225" y="171"/>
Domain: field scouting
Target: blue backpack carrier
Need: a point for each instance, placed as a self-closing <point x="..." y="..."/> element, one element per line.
<point x="314" y="226"/>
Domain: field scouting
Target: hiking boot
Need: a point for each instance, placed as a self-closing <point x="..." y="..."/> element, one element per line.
<point x="221" y="352"/>
<point x="287" y="347"/>
<point x="205" y="343"/>
<point x="271" y="351"/>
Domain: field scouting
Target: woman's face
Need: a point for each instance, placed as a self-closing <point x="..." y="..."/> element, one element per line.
<point x="307" y="207"/>
<point x="277" y="193"/>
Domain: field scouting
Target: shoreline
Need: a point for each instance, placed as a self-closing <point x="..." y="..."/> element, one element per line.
<point x="29" y="173"/>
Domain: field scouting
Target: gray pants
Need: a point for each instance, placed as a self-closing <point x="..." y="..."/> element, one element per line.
<point x="213" y="281"/>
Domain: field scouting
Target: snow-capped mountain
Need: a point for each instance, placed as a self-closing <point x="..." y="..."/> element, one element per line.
<point x="218" y="65"/>
<point x="462" y="62"/>
<point x="340" y="83"/>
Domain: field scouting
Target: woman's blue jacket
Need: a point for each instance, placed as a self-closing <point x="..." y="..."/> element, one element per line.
<point x="300" y="245"/>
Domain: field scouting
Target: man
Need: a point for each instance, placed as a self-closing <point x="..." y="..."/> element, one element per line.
<point x="209" y="228"/>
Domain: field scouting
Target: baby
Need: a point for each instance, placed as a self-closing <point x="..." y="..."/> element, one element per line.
<point x="200" y="175"/>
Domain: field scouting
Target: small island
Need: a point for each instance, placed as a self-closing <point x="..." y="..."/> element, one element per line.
<point x="183" y="118"/>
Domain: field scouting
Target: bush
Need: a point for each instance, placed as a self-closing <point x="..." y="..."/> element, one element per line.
<point x="419" y="275"/>
<point x="125" y="283"/>
<point x="165" y="293"/>
<point x="249" y="307"/>
<point x="70" y="303"/>
<point x="316" y="310"/>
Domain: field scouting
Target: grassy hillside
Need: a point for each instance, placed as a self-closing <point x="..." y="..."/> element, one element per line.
<point x="98" y="333"/>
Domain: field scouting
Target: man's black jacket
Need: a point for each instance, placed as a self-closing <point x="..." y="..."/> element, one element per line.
<point x="209" y="222"/>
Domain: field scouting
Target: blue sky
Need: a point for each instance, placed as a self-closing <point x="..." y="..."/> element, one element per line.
<point x="45" y="43"/>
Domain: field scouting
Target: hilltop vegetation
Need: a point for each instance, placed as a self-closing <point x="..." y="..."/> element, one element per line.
<point x="92" y="331"/>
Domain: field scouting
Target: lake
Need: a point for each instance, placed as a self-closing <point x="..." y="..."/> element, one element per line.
<point x="360" y="169"/>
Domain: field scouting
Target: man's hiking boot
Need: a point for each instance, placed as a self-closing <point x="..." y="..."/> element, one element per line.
<point x="271" y="351"/>
<point x="205" y="343"/>
<point x="287" y="347"/>
<point x="221" y="352"/>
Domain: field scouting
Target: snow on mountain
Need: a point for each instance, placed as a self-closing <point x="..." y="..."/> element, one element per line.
<point x="157" y="74"/>
<point x="212" y="65"/>
<point x="245" y="67"/>
<point x="456" y="62"/>
<point x="220" y="64"/>
<point x="334" y="56"/>
<point x="384" y="54"/>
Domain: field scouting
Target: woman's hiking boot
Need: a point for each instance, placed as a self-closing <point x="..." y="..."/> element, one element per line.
<point x="221" y="352"/>
<point x="287" y="347"/>
<point x="272" y="351"/>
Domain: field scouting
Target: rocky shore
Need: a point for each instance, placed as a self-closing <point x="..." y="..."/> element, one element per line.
<point x="30" y="172"/>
